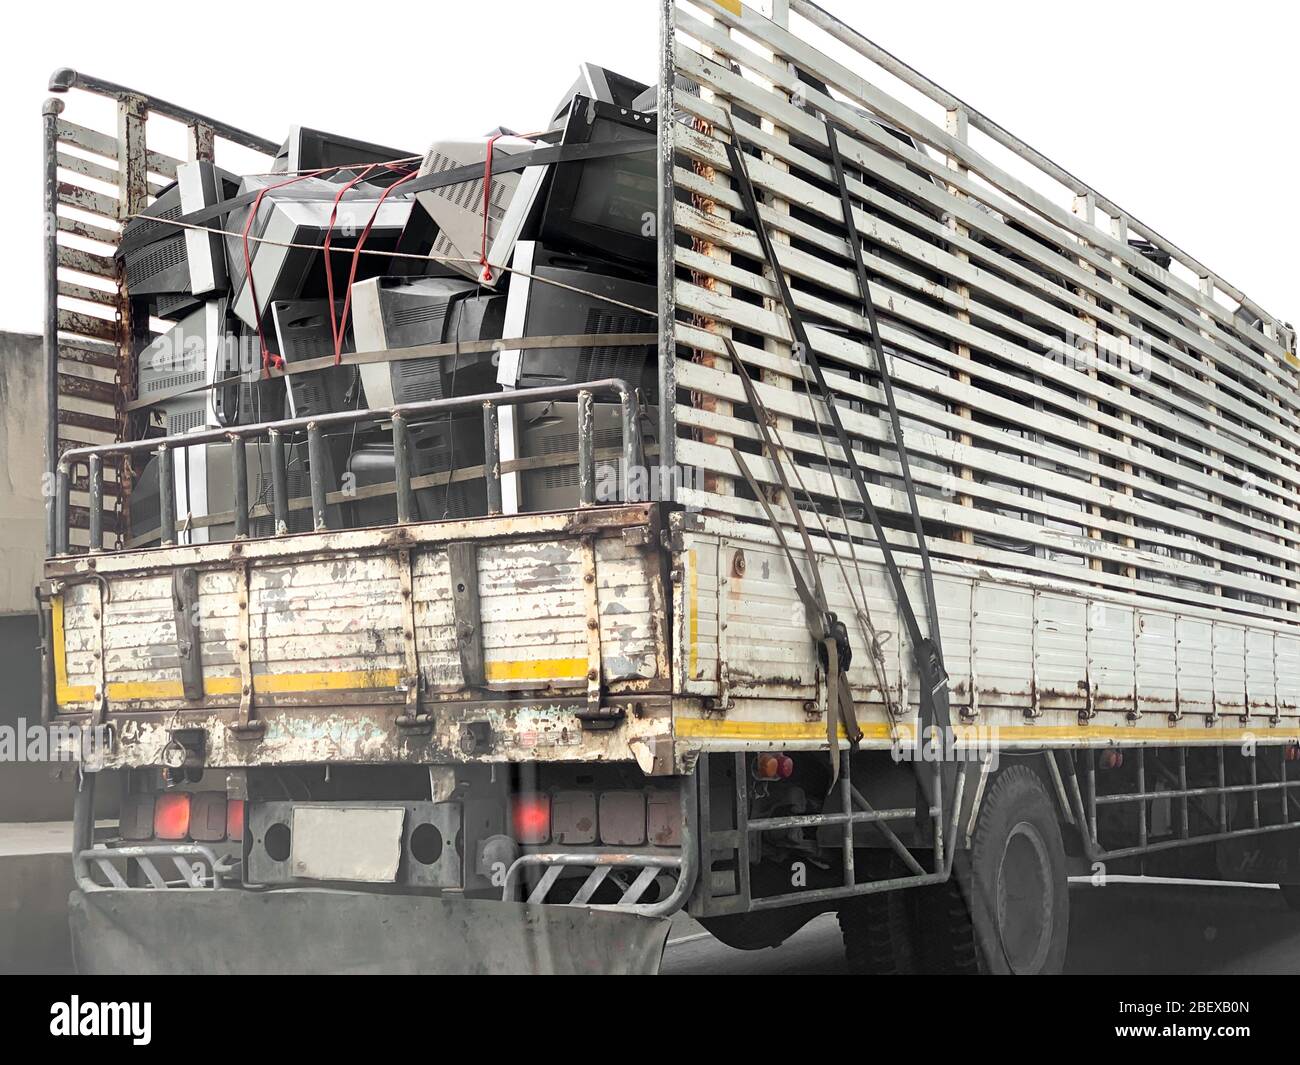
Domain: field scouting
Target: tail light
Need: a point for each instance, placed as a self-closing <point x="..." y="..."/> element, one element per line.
<point x="1112" y="758"/>
<point x="532" y="818"/>
<point x="171" y="815"/>
<point x="235" y="819"/>
<point x="1292" y="752"/>
<point x="773" y="767"/>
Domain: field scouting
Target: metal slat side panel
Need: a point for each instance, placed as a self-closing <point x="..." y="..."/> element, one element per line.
<point x="1049" y="662"/>
<point x="1071" y="402"/>
<point x="98" y="181"/>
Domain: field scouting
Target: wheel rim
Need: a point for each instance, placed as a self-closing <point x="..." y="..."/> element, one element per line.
<point x="1024" y="899"/>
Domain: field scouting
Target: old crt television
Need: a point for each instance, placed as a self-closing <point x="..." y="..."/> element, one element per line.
<point x="606" y="206"/>
<point x="537" y="309"/>
<point x="599" y="83"/>
<point x="457" y="209"/>
<point x="299" y="214"/>
<point x="304" y="330"/>
<point x="308" y="149"/>
<point x="548" y="433"/>
<point x="446" y="442"/>
<point x="390" y="313"/>
<point x="175" y="268"/>
<point x="189" y="374"/>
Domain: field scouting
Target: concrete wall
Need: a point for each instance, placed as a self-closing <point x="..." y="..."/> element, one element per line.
<point x="28" y="791"/>
<point x="22" y="462"/>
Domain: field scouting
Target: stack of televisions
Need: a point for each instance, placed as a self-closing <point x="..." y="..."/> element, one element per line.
<point x="224" y="296"/>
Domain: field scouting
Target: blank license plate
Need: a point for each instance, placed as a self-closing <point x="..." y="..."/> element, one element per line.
<point x="347" y="843"/>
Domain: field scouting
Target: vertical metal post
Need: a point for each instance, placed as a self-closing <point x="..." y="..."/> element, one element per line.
<point x="279" y="483"/>
<point x="846" y="803"/>
<point x="1286" y="790"/>
<point x="61" y="508"/>
<point x="1254" y="783"/>
<point x="1223" y="799"/>
<point x="1142" y="790"/>
<point x="316" y="463"/>
<point x="1184" y="828"/>
<point x="586" y="450"/>
<point x="402" y="470"/>
<point x="492" y="457"/>
<point x="96" y="503"/>
<point x="1092" y="797"/>
<point x="50" y="116"/>
<point x="667" y="256"/>
<point x="239" y="473"/>
<point x="166" y="497"/>
<point x="632" y="457"/>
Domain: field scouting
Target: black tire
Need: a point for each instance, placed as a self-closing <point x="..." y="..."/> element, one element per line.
<point x="1006" y="910"/>
<point x="944" y="936"/>
<point x="877" y="935"/>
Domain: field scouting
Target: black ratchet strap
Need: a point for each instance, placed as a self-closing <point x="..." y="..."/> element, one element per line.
<point x="925" y="648"/>
<point x="829" y="634"/>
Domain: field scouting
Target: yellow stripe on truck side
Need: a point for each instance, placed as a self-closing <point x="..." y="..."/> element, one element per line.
<point x="791" y="731"/>
<point x="536" y="669"/>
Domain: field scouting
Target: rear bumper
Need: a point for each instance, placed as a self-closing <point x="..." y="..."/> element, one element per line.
<point x="205" y="931"/>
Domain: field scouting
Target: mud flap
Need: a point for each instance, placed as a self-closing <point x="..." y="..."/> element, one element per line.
<point x="324" y="931"/>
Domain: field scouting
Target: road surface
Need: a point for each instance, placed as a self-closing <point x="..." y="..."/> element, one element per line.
<point x="1149" y="927"/>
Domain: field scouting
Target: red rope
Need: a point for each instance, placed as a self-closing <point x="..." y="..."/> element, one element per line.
<point x="487" y="202"/>
<point x="268" y="360"/>
<point x="356" y="258"/>
<point x="336" y="328"/>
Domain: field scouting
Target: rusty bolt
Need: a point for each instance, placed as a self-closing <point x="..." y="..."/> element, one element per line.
<point x="588" y="577"/>
<point x="592" y="623"/>
<point x="593" y="674"/>
<point x="95" y="614"/>
<point x="738" y="564"/>
<point x="243" y="604"/>
<point x="248" y="689"/>
<point x="243" y="645"/>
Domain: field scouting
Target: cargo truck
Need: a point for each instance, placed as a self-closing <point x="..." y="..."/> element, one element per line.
<point x="811" y="499"/>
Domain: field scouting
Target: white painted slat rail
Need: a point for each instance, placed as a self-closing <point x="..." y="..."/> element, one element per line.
<point x="1080" y="396"/>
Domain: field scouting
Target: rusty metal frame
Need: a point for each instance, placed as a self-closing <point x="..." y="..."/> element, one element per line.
<point x="944" y="842"/>
<point x="1085" y="808"/>
<point x="115" y="337"/>
<point x="396" y="417"/>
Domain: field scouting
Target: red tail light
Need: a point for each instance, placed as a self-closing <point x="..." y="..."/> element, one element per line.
<point x="171" y="815"/>
<point x="532" y="818"/>
<point x="235" y="819"/>
<point x="1293" y="753"/>
<point x="1112" y="758"/>
<point x="773" y="767"/>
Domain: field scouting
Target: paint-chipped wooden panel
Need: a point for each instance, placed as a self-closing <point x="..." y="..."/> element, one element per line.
<point x="337" y="624"/>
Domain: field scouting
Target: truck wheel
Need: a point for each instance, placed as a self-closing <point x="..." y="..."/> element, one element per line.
<point x="878" y="935"/>
<point x="1008" y="909"/>
<point x="1020" y="901"/>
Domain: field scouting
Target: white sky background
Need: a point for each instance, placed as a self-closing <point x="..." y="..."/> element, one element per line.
<point x="1183" y="113"/>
